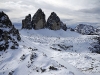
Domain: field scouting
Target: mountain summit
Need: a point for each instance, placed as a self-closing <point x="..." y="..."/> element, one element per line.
<point x="9" y="35"/>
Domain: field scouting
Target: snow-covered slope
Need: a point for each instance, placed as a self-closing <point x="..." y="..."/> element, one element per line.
<point x="47" y="52"/>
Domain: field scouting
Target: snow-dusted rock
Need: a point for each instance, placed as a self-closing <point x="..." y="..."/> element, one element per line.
<point x="85" y="29"/>
<point x="4" y="20"/>
<point x="9" y="35"/>
<point x="98" y="30"/>
<point x="26" y="23"/>
<point x="38" y="20"/>
<point x="96" y="46"/>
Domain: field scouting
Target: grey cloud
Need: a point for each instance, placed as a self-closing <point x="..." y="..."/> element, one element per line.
<point x="91" y="11"/>
<point x="5" y="10"/>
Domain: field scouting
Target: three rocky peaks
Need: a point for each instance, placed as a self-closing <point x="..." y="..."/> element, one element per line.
<point x="9" y="35"/>
<point x="39" y="22"/>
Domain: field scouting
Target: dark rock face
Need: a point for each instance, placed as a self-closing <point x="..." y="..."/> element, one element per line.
<point x="38" y="20"/>
<point x="96" y="46"/>
<point x="98" y="30"/>
<point x="9" y="35"/>
<point x="26" y="23"/>
<point x="63" y="26"/>
<point x="54" y="22"/>
<point x="85" y="29"/>
<point x="4" y="20"/>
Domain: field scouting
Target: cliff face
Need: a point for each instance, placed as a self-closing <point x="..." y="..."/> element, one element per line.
<point x="39" y="21"/>
<point x="53" y="22"/>
<point x="26" y="23"/>
<point x="9" y="35"/>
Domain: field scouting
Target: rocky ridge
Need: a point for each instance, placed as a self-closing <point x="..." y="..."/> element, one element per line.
<point x="39" y="22"/>
<point x="85" y="29"/>
<point x="9" y="35"/>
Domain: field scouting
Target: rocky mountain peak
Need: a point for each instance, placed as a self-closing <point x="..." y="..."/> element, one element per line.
<point x="54" y="22"/>
<point x="39" y="10"/>
<point x="26" y="23"/>
<point x="38" y="20"/>
<point x="9" y="35"/>
<point x="4" y="19"/>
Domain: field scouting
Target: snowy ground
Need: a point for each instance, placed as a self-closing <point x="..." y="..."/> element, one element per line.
<point x="47" y="52"/>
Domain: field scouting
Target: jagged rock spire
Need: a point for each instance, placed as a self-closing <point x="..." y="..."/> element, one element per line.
<point x="26" y="23"/>
<point x="4" y="19"/>
<point x="9" y="35"/>
<point x="38" y="20"/>
<point x="54" y="22"/>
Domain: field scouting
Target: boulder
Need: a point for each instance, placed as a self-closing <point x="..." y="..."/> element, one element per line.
<point x="38" y="20"/>
<point x="9" y="35"/>
<point x="85" y="29"/>
<point x="26" y="23"/>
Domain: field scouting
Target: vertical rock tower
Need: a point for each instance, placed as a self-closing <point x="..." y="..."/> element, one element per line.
<point x="26" y="23"/>
<point x="53" y="22"/>
<point x="38" y="20"/>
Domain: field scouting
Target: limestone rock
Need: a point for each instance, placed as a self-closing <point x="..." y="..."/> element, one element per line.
<point x="38" y="20"/>
<point x="26" y="23"/>
<point x="63" y="26"/>
<point x="54" y="22"/>
<point x="98" y="30"/>
<point x="85" y="29"/>
<point x="96" y="45"/>
<point x="4" y="20"/>
<point x="9" y="35"/>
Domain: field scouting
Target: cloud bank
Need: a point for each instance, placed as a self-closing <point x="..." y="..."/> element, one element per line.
<point x="70" y="11"/>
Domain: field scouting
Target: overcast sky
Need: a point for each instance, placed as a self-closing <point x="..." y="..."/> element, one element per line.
<point x="70" y="11"/>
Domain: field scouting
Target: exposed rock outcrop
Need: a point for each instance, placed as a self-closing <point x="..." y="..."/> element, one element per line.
<point x="38" y="20"/>
<point x="4" y="20"/>
<point x="63" y="26"/>
<point x="85" y="29"/>
<point x="98" y="30"/>
<point x="96" y="45"/>
<point x="26" y="23"/>
<point x="54" y="22"/>
<point x="9" y="35"/>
